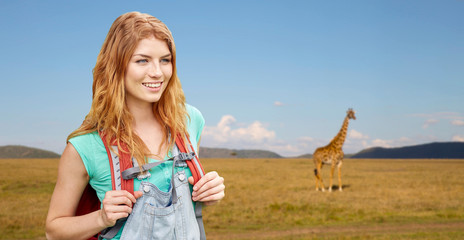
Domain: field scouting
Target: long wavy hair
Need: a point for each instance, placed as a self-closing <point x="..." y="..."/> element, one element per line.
<point x="109" y="113"/>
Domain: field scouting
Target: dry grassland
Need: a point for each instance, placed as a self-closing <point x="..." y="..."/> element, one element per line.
<point x="26" y="186"/>
<point x="276" y="199"/>
<point x="382" y="199"/>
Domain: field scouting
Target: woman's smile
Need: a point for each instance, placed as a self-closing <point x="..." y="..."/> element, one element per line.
<point x="148" y="72"/>
<point x="153" y="86"/>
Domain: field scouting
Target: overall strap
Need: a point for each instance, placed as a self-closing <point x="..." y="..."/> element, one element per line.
<point x="197" y="172"/>
<point x="178" y="156"/>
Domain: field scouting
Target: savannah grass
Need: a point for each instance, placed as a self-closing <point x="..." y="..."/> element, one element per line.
<point x="267" y="198"/>
<point x="26" y="186"/>
<point x="276" y="199"/>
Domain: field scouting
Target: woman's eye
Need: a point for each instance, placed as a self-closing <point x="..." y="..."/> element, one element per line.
<point x="142" y="61"/>
<point x="165" y="60"/>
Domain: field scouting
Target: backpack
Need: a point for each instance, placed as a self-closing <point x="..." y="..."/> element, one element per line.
<point x="89" y="201"/>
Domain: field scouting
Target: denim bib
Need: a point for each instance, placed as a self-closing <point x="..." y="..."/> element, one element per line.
<point x="165" y="215"/>
<point x="157" y="215"/>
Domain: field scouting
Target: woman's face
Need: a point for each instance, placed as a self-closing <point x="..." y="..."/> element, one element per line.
<point x="148" y="72"/>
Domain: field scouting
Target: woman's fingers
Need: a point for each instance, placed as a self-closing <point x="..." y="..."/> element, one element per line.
<point x="138" y="194"/>
<point x="208" y="180"/>
<point x="118" y="208"/>
<point x="209" y="188"/>
<point x="213" y="194"/>
<point x="117" y="204"/>
<point x="120" y="194"/>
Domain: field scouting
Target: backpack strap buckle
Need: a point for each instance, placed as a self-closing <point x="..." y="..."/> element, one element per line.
<point x="182" y="156"/>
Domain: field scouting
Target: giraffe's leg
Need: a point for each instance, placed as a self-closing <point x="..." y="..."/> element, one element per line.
<point x="340" y="177"/>
<point x="319" y="177"/>
<point x="316" y="178"/>
<point x="332" y="169"/>
<point x="316" y="170"/>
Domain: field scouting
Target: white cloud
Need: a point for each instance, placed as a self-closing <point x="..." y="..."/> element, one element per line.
<point x="308" y="144"/>
<point x="353" y="134"/>
<point x="228" y="133"/>
<point x="358" y="141"/>
<point x="278" y="104"/>
<point x="392" y="143"/>
<point x="458" y="138"/>
<point x="457" y="122"/>
<point x="255" y="132"/>
<point x="381" y="143"/>
<point x="429" y="122"/>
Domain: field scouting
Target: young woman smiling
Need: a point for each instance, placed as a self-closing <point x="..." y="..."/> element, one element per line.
<point x="137" y="101"/>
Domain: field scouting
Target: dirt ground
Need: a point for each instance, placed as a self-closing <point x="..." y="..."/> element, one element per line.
<point x="345" y="232"/>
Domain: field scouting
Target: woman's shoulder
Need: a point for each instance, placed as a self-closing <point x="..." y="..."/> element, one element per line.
<point x="196" y="118"/>
<point x="196" y="122"/>
<point x="193" y="111"/>
<point x="88" y="138"/>
<point x="87" y="143"/>
<point x="91" y="150"/>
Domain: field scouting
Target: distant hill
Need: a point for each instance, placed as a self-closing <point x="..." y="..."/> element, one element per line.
<point x="308" y="155"/>
<point x="17" y="151"/>
<point x="206" y="152"/>
<point x="430" y="150"/>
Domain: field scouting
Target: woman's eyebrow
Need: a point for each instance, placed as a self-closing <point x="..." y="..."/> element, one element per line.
<point x="147" y="56"/>
<point x="141" y="55"/>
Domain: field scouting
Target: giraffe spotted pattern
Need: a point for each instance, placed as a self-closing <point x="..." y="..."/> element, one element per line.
<point x="332" y="155"/>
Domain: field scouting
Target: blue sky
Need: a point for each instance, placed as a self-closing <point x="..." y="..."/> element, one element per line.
<point x="274" y="75"/>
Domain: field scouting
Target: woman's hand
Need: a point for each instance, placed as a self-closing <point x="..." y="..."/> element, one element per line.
<point x="62" y="222"/>
<point x="117" y="204"/>
<point x="209" y="189"/>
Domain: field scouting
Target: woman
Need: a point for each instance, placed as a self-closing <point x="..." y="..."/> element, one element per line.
<point x="137" y="101"/>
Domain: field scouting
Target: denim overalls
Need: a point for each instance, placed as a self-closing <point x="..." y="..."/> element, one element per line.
<point x="164" y="215"/>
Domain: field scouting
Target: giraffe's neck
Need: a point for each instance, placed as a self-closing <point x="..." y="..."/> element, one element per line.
<point x="338" y="140"/>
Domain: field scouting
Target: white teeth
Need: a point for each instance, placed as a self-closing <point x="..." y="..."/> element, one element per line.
<point x="152" y="85"/>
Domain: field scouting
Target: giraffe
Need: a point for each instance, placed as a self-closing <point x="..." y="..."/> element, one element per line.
<point x="332" y="154"/>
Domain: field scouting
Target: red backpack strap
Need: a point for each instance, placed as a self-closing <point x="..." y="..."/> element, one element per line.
<point x="197" y="172"/>
<point x="118" y="164"/>
<point x="194" y="164"/>
<point x="120" y="160"/>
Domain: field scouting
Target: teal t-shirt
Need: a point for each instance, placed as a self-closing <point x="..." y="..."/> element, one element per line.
<point x="95" y="158"/>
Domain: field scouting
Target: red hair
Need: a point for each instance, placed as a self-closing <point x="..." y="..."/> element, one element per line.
<point x="109" y="112"/>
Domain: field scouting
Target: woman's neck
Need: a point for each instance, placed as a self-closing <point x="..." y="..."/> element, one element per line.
<point x="142" y="114"/>
<point x="149" y="129"/>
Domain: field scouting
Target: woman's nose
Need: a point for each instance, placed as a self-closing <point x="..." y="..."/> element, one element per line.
<point x="155" y="71"/>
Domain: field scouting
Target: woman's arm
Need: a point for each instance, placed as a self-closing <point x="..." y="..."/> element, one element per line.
<point x="72" y="179"/>
<point x="61" y="221"/>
